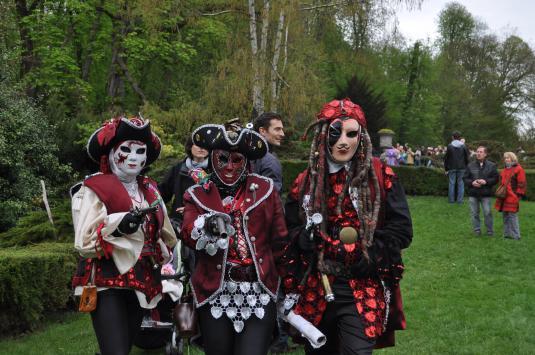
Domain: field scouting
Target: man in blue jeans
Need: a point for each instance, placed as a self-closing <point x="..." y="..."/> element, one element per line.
<point x="480" y="177"/>
<point x="455" y="162"/>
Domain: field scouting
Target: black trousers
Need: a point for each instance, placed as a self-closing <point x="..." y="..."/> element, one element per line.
<point x="342" y="326"/>
<point x="116" y="320"/>
<point x="219" y="337"/>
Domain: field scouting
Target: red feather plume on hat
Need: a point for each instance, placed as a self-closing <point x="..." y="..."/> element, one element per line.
<point x="106" y="134"/>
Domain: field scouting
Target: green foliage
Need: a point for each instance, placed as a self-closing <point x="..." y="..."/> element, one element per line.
<point x="422" y="181"/>
<point x="35" y="227"/>
<point x="290" y="170"/>
<point x="33" y="281"/>
<point x="27" y="154"/>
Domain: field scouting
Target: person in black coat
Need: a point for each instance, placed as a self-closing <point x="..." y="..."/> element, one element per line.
<point x="480" y="177"/>
<point x="455" y="162"/>
<point x="175" y="184"/>
<point x="178" y="179"/>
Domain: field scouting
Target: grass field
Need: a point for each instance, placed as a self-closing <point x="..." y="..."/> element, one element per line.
<point x="462" y="294"/>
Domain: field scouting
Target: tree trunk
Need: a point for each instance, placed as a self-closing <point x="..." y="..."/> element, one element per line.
<point x="258" y="99"/>
<point x="274" y="64"/>
<point x="92" y="36"/>
<point x="28" y="60"/>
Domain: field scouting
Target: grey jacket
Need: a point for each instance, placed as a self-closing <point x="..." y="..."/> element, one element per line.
<point x="269" y="166"/>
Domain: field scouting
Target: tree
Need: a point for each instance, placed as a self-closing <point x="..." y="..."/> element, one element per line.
<point x="28" y="153"/>
<point x="372" y="103"/>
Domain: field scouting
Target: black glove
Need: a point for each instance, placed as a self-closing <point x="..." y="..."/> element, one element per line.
<point x="367" y="267"/>
<point x="128" y="225"/>
<point x="304" y="241"/>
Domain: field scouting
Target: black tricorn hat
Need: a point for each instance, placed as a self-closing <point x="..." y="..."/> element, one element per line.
<point x="245" y="141"/>
<point x="120" y="129"/>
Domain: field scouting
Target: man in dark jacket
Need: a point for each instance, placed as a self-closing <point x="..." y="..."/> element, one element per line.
<point x="480" y="176"/>
<point x="455" y="162"/>
<point x="270" y="126"/>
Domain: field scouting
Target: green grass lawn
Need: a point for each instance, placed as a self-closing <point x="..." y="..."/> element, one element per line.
<point x="462" y="294"/>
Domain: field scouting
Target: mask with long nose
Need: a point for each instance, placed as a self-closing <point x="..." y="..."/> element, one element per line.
<point x="344" y="139"/>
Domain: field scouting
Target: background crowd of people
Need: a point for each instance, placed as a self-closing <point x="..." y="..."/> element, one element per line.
<point x="469" y="169"/>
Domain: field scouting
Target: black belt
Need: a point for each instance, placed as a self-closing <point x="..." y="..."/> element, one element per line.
<point x="240" y="273"/>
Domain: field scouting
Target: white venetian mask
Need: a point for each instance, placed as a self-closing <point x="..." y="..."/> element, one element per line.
<point x="128" y="159"/>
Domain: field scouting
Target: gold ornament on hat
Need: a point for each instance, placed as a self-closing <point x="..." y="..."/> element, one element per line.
<point x="348" y="235"/>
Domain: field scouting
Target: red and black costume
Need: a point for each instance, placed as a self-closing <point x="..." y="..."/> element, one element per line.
<point x="121" y="253"/>
<point x="364" y="274"/>
<point x="236" y="278"/>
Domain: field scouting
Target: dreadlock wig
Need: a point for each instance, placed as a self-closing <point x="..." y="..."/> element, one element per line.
<point x="360" y="174"/>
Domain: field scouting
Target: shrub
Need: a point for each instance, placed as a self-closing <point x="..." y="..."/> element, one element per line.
<point x="422" y="181"/>
<point x="33" y="281"/>
<point x="36" y="228"/>
<point x="28" y="153"/>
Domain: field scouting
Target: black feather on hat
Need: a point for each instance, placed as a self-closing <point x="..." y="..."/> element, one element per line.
<point x="245" y="141"/>
<point x="120" y="129"/>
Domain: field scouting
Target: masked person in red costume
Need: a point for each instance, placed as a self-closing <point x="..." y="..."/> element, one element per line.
<point x="234" y="220"/>
<point x="121" y="249"/>
<point x="349" y="220"/>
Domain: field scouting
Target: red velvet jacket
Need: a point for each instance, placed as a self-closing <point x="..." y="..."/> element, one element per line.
<point x="264" y="229"/>
<point x="515" y="177"/>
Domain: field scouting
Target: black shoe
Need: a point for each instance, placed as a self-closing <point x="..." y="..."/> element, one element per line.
<point x="477" y="233"/>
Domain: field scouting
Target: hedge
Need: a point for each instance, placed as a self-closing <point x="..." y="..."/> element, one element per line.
<point x="33" y="281"/>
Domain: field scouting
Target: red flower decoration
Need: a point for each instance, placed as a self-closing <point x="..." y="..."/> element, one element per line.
<point x="310" y="296"/>
<point x="156" y="142"/>
<point x="312" y="281"/>
<point x="371" y="303"/>
<point x="309" y="309"/>
<point x="370" y="332"/>
<point x="370" y="316"/>
<point x="359" y="307"/>
<point x="370" y="291"/>
<point x="358" y="294"/>
<point x="322" y="304"/>
<point x="289" y="283"/>
<point x="342" y="108"/>
<point x="382" y="305"/>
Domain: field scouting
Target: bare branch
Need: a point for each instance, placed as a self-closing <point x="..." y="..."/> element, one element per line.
<point x="309" y="7"/>
<point x="34" y="5"/>
<point x="280" y="77"/>
<point x="132" y="81"/>
<point x="219" y="13"/>
<point x="110" y="15"/>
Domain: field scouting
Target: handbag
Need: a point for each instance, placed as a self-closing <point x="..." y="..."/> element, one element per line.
<point x="88" y="299"/>
<point x="185" y="316"/>
<point x="501" y="191"/>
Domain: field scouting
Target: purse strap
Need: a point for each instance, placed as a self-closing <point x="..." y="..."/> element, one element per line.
<point x="91" y="281"/>
<point x="509" y="179"/>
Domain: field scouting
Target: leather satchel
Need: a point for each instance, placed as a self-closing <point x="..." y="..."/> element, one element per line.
<point x="185" y="317"/>
<point x="501" y="191"/>
<point x="88" y="299"/>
